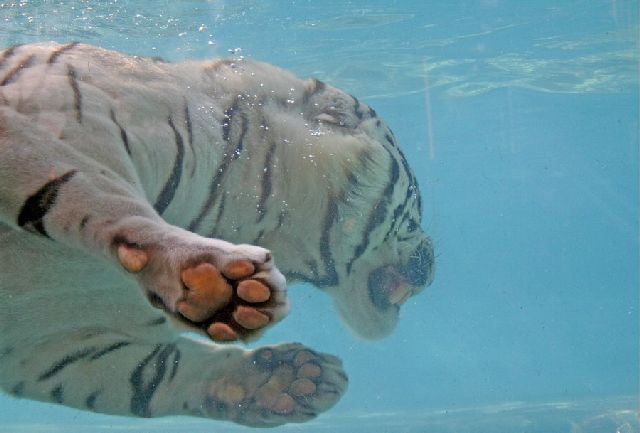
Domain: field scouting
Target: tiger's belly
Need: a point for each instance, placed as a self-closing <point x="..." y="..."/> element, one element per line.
<point x="49" y="289"/>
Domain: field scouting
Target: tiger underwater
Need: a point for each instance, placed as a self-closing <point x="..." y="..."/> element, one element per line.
<point x="140" y="199"/>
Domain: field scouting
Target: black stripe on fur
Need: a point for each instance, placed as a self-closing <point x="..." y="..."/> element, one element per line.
<point x="65" y="362"/>
<point x="231" y="116"/>
<point x="144" y="383"/>
<point x="123" y="133"/>
<point x="7" y="54"/>
<point x="77" y="96"/>
<point x="171" y="185"/>
<point x="380" y="211"/>
<point x="58" y="52"/>
<point x="15" y="72"/>
<point x="36" y="207"/>
<point x="113" y="347"/>
<point x="266" y="182"/>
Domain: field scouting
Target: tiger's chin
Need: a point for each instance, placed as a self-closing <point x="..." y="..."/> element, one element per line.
<point x="366" y="317"/>
<point x="372" y="311"/>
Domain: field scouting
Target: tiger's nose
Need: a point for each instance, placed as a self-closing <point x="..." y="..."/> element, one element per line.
<point x="419" y="268"/>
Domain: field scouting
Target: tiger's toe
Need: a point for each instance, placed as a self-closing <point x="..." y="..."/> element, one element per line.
<point x="238" y="269"/>
<point x="207" y="291"/>
<point x="132" y="258"/>
<point x="253" y="291"/>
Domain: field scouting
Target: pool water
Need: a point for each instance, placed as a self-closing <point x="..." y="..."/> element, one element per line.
<point x="520" y="120"/>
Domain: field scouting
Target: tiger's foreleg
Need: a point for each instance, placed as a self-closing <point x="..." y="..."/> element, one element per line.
<point x="52" y="190"/>
<point x="116" y="374"/>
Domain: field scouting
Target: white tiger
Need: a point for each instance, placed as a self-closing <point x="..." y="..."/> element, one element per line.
<point x="119" y="178"/>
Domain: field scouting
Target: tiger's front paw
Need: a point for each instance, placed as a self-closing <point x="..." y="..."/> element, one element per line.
<point x="232" y="292"/>
<point x="235" y="302"/>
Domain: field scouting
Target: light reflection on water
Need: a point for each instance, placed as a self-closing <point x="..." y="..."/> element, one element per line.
<point x="597" y="416"/>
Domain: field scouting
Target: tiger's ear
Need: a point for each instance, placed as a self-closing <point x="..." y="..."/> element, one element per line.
<point x="313" y="86"/>
<point x="328" y="105"/>
<point x="327" y="118"/>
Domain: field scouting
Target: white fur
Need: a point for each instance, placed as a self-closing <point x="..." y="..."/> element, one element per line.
<point x="67" y="295"/>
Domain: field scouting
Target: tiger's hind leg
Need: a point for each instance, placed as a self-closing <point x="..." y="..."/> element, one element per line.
<point x="116" y="374"/>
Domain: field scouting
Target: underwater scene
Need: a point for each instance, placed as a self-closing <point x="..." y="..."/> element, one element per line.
<point x="519" y="121"/>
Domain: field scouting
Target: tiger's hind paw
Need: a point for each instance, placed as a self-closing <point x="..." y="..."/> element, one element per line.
<point x="277" y="385"/>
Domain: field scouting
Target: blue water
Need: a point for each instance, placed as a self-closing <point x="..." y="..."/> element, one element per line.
<point x="521" y="122"/>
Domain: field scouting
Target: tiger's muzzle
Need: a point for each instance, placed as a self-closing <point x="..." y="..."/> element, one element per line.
<point x="391" y="285"/>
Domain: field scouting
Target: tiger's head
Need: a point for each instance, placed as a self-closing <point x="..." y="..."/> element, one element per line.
<point x="374" y="252"/>
<point x="348" y="205"/>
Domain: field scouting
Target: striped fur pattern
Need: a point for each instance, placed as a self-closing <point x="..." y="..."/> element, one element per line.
<point x="121" y="173"/>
